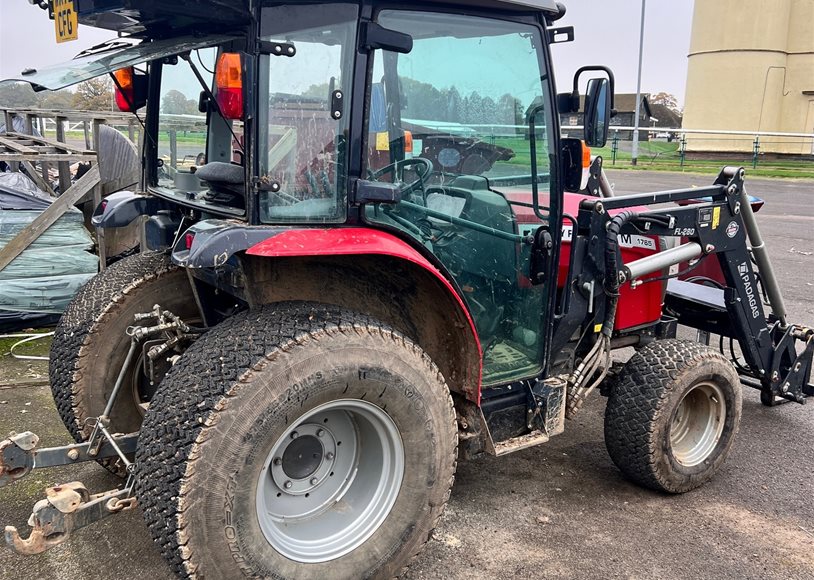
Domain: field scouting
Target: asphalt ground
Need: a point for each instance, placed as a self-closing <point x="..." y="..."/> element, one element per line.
<point x="559" y="510"/>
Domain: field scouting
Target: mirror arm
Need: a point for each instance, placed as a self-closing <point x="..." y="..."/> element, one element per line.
<point x="595" y="67"/>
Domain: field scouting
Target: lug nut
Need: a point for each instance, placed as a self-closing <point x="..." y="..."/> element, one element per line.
<point x="329" y="456"/>
<point x="278" y="461"/>
<point x="320" y="432"/>
<point x="294" y="434"/>
<point x="314" y="481"/>
<point x="287" y="485"/>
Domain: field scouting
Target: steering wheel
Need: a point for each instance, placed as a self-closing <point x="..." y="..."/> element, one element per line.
<point x="398" y="168"/>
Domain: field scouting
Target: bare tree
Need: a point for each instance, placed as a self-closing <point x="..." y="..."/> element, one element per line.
<point x="668" y="100"/>
<point x="94" y="95"/>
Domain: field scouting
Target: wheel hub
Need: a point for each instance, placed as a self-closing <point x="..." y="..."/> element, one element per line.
<point x="698" y="424"/>
<point x="304" y="459"/>
<point x="330" y="480"/>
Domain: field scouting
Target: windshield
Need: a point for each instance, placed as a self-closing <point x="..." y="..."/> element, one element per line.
<point x="466" y="113"/>
<point x="304" y="113"/>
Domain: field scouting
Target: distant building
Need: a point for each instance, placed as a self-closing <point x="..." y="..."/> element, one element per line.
<point x="751" y="68"/>
<point x="625" y="106"/>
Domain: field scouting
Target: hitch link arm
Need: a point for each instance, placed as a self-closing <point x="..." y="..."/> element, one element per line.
<point x="19" y="453"/>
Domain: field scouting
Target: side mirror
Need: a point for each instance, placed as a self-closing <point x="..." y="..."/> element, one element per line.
<point x="598" y="104"/>
<point x="597" y="112"/>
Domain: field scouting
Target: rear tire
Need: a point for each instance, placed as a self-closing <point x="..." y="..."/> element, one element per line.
<point x="673" y="415"/>
<point x="297" y="441"/>
<point x="90" y="345"/>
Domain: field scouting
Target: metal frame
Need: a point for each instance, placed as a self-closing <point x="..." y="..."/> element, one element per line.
<point x="720" y="227"/>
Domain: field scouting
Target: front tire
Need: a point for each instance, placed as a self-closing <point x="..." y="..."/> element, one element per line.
<point x="297" y="441"/>
<point x="673" y="415"/>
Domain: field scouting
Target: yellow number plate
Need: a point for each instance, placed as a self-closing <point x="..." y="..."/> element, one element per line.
<point x="66" y="23"/>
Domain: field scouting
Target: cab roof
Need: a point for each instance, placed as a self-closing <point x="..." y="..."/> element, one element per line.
<point x="161" y="18"/>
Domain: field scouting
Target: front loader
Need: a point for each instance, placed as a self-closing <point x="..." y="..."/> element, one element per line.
<point x="367" y="253"/>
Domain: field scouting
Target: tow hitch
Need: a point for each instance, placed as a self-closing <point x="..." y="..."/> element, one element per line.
<point x="70" y="507"/>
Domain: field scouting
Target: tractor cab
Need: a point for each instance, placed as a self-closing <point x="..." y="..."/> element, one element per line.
<point x="436" y="124"/>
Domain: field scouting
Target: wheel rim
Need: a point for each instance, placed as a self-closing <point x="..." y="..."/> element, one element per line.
<point x="330" y="481"/>
<point x="698" y="424"/>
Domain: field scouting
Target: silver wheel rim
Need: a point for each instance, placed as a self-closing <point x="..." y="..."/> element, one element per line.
<point x="330" y="481"/>
<point x="698" y="424"/>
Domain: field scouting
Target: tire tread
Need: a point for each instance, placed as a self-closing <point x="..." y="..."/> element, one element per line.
<point x="201" y="384"/>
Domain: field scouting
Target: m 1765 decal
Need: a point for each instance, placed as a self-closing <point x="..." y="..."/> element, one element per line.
<point x="625" y="240"/>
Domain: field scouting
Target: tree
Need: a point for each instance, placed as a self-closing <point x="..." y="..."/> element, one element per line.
<point x="18" y="95"/>
<point x="94" y="95"/>
<point x="176" y="103"/>
<point x="668" y="100"/>
<point x="62" y="99"/>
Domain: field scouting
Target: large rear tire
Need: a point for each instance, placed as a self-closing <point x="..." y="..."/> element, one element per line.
<point x="673" y="415"/>
<point x="297" y="441"/>
<point x="90" y="344"/>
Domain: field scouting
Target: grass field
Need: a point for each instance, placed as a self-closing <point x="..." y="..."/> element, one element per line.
<point x="664" y="156"/>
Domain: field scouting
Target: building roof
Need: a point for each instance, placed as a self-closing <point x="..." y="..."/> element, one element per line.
<point x="626" y="103"/>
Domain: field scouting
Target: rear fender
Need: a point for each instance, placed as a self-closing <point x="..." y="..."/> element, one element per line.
<point x="358" y="268"/>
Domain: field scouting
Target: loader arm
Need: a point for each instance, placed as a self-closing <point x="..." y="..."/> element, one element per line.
<point x="774" y="361"/>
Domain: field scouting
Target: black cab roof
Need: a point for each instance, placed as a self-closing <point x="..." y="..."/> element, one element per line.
<point x="161" y="17"/>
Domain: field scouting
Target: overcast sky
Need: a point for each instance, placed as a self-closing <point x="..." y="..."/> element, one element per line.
<point x="607" y="32"/>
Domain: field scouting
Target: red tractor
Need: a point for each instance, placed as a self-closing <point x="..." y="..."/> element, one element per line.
<point x="381" y="261"/>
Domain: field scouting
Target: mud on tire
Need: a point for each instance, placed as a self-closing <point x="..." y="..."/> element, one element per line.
<point x="208" y="450"/>
<point x="673" y="415"/>
<point x="90" y="344"/>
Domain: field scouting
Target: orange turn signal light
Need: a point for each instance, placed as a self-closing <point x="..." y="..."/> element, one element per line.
<point x="125" y="93"/>
<point x="408" y="141"/>
<point x="229" y="84"/>
<point x="586" y="155"/>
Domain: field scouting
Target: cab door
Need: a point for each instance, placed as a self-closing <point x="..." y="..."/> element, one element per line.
<point x="449" y="123"/>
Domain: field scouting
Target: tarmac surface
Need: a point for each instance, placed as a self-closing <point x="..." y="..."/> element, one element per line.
<point x="559" y="510"/>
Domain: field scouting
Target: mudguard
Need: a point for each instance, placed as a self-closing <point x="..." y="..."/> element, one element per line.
<point x="121" y="208"/>
<point x="212" y="243"/>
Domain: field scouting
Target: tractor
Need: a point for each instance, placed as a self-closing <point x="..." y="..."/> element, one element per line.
<point x="366" y="253"/>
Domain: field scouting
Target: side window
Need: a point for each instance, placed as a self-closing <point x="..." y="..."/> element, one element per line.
<point x="182" y="129"/>
<point x="449" y="123"/>
<point x="306" y="107"/>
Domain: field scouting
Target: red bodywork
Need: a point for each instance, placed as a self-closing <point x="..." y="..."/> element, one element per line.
<point x="640" y="306"/>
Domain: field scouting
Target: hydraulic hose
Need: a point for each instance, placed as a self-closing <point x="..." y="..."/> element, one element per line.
<point x="612" y="282"/>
